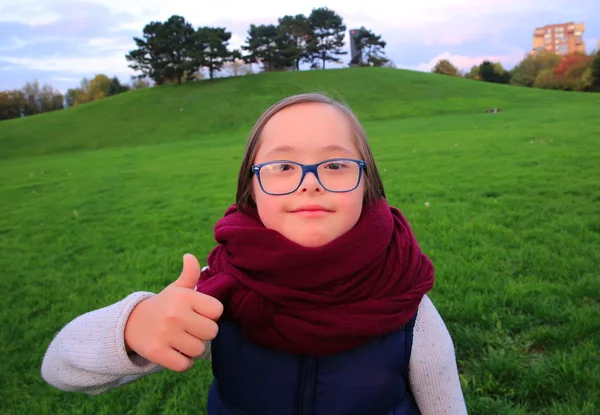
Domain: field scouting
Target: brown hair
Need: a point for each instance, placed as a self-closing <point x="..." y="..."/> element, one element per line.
<point x="374" y="186"/>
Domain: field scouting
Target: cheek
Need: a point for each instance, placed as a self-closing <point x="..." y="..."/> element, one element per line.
<point x="351" y="204"/>
<point x="269" y="207"/>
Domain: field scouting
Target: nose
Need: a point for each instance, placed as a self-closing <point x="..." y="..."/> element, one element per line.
<point x="310" y="184"/>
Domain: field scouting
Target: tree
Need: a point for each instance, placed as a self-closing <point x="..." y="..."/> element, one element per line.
<point x="99" y="87"/>
<point x="140" y="82"/>
<point x="31" y="98"/>
<point x="594" y="76"/>
<point x="38" y="99"/>
<point x="162" y="54"/>
<point x="237" y="67"/>
<point x="571" y="61"/>
<point x="116" y="87"/>
<point x="473" y="73"/>
<point x="51" y="99"/>
<point x="370" y="48"/>
<point x="493" y="72"/>
<point x="525" y="72"/>
<point x="586" y="80"/>
<point x="502" y="75"/>
<point x="71" y="97"/>
<point x="445" y="67"/>
<point x="547" y="60"/>
<point x="575" y="78"/>
<point x="568" y="73"/>
<point x="209" y="49"/>
<point x="264" y="46"/>
<point x="93" y="89"/>
<point x="545" y="79"/>
<point x="328" y="31"/>
<point x="296" y="34"/>
<point x="11" y="104"/>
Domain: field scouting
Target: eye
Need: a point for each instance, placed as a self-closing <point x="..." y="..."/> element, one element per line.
<point x="280" y="167"/>
<point x="336" y="165"/>
<point x="284" y="167"/>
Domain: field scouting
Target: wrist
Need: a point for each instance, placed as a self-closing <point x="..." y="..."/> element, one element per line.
<point x="129" y="333"/>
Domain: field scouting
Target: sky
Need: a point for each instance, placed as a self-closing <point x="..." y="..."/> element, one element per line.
<point x="59" y="42"/>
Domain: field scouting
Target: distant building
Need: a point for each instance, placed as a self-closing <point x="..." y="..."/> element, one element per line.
<point x="564" y="38"/>
<point x="355" y="54"/>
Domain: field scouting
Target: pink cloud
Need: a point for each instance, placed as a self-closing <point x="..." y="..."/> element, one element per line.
<point x="465" y="62"/>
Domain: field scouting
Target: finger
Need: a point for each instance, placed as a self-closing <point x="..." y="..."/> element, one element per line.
<point x="189" y="345"/>
<point x="173" y="360"/>
<point x="190" y="272"/>
<point x="207" y="306"/>
<point x="201" y="327"/>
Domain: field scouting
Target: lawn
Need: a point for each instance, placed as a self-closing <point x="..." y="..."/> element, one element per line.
<point x="103" y="200"/>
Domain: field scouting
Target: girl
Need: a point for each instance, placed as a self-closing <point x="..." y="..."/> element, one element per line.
<point x="313" y="302"/>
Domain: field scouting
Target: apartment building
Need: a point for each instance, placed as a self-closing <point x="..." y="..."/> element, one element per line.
<point x="564" y="38"/>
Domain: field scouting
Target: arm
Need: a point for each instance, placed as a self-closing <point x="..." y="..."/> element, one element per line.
<point x="89" y="355"/>
<point x="433" y="371"/>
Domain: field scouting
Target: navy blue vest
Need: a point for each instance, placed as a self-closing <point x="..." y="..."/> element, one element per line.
<point x="369" y="380"/>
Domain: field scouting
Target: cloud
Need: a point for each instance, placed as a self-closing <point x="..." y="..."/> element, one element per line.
<point x="64" y="18"/>
<point x="107" y="64"/>
<point x="432" y="21"/>
<point x="69" y="38"/>
<point x="69" y="79"/>
<point x="12" y="43"/>
<point x="28" y="13"/>
<point x="412" y="14"/>
<point x="465" y="62"/>
<point x="66" y="37"/>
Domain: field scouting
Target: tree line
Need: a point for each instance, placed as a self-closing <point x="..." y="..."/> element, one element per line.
<point x="548" y="70"/>
<point x="174" y="50"/>
<point x="34" y="98"/>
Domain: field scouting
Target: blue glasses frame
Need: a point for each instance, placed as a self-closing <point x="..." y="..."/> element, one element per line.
<point x="309" y="168"/>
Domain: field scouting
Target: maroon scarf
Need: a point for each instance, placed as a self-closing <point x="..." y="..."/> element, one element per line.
<point x="317" y="301"/>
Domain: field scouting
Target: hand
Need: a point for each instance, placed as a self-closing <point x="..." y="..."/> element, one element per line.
<point x="170" y="328"/>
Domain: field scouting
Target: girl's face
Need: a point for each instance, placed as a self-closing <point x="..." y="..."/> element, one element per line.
<point x="308" y="133"/>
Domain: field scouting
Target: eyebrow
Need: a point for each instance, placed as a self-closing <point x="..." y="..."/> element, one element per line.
<point x="329" y="149"/>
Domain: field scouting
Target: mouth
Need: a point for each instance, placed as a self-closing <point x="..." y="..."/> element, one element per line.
<point x="312" y="211"/>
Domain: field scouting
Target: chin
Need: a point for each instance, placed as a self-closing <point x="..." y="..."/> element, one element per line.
<point x="312" y="239"/>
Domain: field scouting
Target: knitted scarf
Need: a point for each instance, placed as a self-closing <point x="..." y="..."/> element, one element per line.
<point x="317" y="301"/>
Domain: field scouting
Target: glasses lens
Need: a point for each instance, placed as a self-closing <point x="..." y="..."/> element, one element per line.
<point x="279" y="178"/>
<point x="339" y="175"/>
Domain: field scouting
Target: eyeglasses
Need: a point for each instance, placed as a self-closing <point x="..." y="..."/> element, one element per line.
<point x="283" y="177"/>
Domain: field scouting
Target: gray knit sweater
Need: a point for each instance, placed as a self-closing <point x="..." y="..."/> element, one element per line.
<point x="88" y="355"/>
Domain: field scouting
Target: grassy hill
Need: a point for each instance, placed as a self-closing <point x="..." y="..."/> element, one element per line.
<point x="231" y="105"/>
<point x="513" y="226"/>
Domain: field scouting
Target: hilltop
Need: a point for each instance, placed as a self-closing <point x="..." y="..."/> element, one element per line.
<point x="193" y="110"/>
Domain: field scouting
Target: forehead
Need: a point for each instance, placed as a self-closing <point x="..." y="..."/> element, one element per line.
<point x="308" y="128"/>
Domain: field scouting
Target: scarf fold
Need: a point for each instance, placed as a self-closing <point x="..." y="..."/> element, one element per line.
<point x="317" y="301"/>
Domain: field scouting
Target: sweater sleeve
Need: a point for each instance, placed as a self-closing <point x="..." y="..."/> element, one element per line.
<point x="433" y="370"/>
<point x="88" y="355"/>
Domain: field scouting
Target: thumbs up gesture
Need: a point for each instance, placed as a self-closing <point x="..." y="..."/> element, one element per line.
<point x="170" y="328"/>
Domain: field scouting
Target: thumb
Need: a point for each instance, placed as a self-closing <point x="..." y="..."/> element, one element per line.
<point x="190" y="272"/>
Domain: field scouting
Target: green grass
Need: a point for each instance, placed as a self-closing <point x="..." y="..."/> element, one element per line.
<point x="513" y="227"/>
